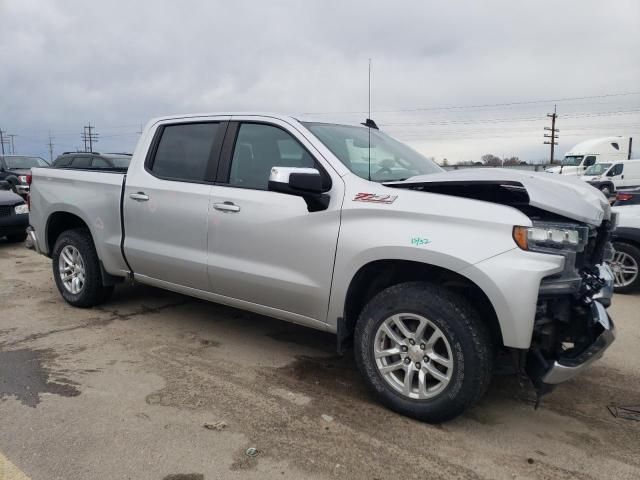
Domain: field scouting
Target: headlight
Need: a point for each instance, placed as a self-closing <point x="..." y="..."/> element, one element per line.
<point x="21" y="209"/>
<point x="550" y="237"/>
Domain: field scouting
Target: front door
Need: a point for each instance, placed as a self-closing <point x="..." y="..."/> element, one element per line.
<point x="166" y="204"/>
<point x="267" y="248"/>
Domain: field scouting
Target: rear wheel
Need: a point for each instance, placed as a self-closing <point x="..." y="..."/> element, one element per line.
<point x="625" y="267"/>
<point x="76" y="269"/>
<point x="423" y="351"/>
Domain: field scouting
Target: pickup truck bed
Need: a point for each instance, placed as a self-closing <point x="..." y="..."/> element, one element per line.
<point x="94" y="195"/>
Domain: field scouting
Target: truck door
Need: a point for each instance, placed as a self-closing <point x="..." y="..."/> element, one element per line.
<point x="265" y="247"/>
<point x="166" y="204"/>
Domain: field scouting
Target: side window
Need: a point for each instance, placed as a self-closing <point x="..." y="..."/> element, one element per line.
<point x="62" y="162"/>
<point x="100" y="163"/>
<point x="184" y="151"/>
<point x="260" y="147"/>
<point x="616" y="170"/>
<point x="81" y="162"/>
<point x="589" y="161"/>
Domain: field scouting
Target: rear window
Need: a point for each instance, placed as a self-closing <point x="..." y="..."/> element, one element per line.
<point x="184" y="150"/>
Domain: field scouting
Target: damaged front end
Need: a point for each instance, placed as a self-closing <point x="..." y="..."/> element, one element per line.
<point x="572" y="328"/>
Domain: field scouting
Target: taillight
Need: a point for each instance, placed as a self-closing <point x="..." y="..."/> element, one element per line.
<point x="28" y="179"/>
<point x="622" y="197"/>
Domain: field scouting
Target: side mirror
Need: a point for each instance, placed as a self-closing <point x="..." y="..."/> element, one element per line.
<point x="295" y="181"/>
<point x="302" y="182"/>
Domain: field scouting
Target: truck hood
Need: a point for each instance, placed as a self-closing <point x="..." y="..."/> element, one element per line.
<point x="566" y="170"/>
<point x="562" y="195"/>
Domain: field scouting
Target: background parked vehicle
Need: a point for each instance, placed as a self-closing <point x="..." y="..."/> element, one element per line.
<point x="14" y="214"/>
<point x="612" y="176"/>
<point x="93" y="161"/>
<point x="16" y="168"/>
<point x="590" y="152"/>
<point x="626" y="243"/>
<point x="627" y="196"/>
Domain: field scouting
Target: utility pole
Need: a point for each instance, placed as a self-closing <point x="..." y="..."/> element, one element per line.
<point x="2" y="140"/>
<point x="553" y="136"/>
<point x="50" y="147"/>
<point x="89" y="136"/>
<point x="13" y="148"/>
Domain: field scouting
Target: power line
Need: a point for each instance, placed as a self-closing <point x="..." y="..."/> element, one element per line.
<point x="3" y="141"/>
<point x="13" y="148"/>
<point x="485" y="105"/>
<point x="90" y="137"/>
<point x="50" y="147"/>
<point x="552" y="136"/>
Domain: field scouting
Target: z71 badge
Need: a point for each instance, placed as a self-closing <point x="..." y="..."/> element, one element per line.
<point x="374" y="198"/>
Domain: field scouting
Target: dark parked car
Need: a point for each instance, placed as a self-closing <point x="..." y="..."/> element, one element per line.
<point x="93" y="161"/>
<point x="14" y="214"/>
<point x="15" y="169"/>
<point x="629" y="196"/>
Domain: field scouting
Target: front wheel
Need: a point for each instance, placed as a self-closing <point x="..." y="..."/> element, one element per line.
<point x="76" y="269"/>
<point x="625" y="267"/>
<point x="423" y="351"/>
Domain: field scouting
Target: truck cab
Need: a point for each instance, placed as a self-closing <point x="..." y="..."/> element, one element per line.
<point x="588" y="153"/>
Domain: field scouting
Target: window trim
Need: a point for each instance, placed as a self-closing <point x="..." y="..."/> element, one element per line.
<point x="229" y="147"/>
<point x="212" y="161"/>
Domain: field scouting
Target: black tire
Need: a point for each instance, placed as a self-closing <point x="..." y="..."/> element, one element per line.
<point x="468" y="337"/>
<point x="93" y="291"/>
<point x="20" y="237"/>
<point x="633" y="252"/>
<point x="607" y="189"/>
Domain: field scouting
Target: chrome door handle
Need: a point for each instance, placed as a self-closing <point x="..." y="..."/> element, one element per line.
<point x="140" y="197"/>
<point x="226" y="207"/>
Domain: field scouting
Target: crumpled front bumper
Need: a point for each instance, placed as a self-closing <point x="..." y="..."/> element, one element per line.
<point x="565" y="369"/>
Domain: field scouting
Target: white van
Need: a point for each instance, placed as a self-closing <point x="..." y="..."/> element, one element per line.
<point x="599" y="150"/>
<point x="612" y="176"/>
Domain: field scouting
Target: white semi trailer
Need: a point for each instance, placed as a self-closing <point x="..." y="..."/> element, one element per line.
<point x="590" y="152"/>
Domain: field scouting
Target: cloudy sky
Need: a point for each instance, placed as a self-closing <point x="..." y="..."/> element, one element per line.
<point x="454" y="79"/>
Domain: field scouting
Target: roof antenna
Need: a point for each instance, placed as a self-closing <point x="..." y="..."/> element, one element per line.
<point x="368" y="122"/>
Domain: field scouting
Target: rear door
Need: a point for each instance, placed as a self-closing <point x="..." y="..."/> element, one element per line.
<point x="166" y="203"/>
<point x="267" y="248"/>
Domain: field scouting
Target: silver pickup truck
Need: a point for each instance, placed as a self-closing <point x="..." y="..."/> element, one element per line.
<point x="427" y="274"/>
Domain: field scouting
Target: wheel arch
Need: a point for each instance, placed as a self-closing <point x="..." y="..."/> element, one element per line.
<point x="377" y="275"/>
<point x="59" y="222"/>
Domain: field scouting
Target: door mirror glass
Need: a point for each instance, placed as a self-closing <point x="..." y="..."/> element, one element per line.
<point x="295" y="181"/>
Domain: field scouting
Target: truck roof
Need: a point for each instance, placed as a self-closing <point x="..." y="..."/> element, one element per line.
<point x="602" y="145"/>
<point x="279" y="116"/>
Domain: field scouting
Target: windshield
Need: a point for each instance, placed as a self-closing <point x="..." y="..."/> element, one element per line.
<point x="572" y="160"/>
<point x="120" y="162"/>
<point x="390" y="159"/>
<point x="597" y="169"/>
<point x="24" y="162"/>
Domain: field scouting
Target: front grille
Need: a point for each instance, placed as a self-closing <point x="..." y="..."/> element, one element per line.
<point x="5" y="210"/>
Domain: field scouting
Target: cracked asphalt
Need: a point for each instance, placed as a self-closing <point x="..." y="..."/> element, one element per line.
<point x="124" y="391"/>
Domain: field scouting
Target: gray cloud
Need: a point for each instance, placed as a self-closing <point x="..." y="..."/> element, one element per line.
<point x="119" y="63"/>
